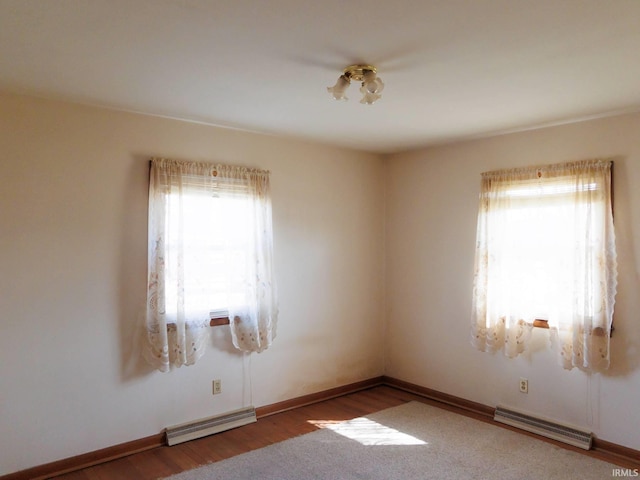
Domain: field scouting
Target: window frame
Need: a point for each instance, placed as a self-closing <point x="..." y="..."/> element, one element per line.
<point x="177" y="324"/>
<point x="580" y="320"/>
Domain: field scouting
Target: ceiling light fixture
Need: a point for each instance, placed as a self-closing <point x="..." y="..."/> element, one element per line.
<point x="371" y="84"/>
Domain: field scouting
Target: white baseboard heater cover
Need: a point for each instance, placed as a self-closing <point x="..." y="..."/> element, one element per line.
<point x="209" y="426"/>
<point x="556" y="431"/>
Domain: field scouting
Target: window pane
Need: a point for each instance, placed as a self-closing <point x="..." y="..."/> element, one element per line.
<point x="535" y="230"/>
<point x="214" y="231"/>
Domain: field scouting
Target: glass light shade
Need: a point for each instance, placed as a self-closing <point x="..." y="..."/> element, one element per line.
<point x="371" y="83"/>
<point x="370" y="98"/>
<point x="338" y="91"/>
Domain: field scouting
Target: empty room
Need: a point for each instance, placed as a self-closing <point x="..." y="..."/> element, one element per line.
<point x="296" y="239"/>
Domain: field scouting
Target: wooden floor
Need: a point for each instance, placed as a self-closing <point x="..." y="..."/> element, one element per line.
<point x="164" y="461"/>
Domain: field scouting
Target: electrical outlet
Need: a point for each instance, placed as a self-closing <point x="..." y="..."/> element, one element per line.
<point x="524" y="385"/>
<point x="217" y="387"/>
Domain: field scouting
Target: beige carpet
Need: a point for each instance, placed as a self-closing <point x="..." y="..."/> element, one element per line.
<point x="411" y="441"/>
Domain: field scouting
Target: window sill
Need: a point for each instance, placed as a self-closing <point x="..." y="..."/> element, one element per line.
<point x="539" y="323"/>
<point x="217" y="321"/>
<point x="214" y="322"/>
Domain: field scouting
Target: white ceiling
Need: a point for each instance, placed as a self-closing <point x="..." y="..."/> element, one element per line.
<point x="453" y="69"/>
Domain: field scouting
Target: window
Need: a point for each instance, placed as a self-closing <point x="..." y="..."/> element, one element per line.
<point x="212" y="241"/>
<point x="210" y="255"/>
<point x="545" y="251"/>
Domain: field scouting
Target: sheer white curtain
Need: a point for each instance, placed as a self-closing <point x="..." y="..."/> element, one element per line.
<point x="545" y="249"/>
<point x="209" y="253"/>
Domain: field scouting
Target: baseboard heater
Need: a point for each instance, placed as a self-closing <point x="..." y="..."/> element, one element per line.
<point x="546" y="428"/>
<point x="209" y="426"/>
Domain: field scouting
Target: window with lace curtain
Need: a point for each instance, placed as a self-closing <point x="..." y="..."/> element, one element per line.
<point x="545" y="255"/>
<point x="210" y="256"/>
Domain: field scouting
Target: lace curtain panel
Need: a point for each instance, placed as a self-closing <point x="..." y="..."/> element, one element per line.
<point x="545" y="249"/>
<point x="209" y="252"/>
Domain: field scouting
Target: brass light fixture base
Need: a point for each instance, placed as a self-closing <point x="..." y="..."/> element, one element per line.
<point x="356" y="72"/>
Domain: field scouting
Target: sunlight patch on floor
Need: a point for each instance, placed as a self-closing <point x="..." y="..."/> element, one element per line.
<point x="368" y="432"/>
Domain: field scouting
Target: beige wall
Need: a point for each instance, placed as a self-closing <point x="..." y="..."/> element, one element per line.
<point x="73" y="203"/>
<point x="432" y="205"/>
